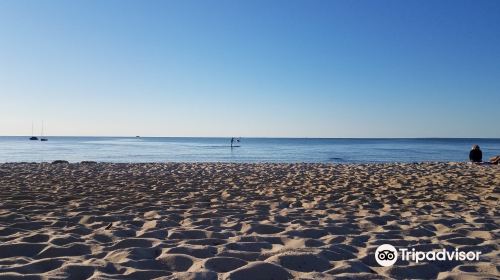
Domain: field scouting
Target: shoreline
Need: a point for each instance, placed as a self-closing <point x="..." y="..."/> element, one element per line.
<point x="244" y="220"/>
<point x="62" y="161"/>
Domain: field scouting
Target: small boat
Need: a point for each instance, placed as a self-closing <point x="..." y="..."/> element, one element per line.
<point x="32" y="137"/>
<point x="41" y="136"/>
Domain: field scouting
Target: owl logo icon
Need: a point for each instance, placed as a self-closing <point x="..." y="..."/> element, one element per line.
<point x="386" y="255"/>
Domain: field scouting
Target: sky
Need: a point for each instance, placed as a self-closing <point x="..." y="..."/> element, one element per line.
<point x="271" y="68"/>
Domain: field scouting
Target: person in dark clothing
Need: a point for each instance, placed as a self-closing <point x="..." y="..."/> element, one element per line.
<point x="475" y="154"/>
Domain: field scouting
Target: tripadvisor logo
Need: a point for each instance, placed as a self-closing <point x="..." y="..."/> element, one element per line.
<point x="387" y="255"/>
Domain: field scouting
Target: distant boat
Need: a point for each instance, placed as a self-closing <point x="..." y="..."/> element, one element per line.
<point x="137" y="136"/>
<point x="32" y="136"/>
<point x="41" y="135"/>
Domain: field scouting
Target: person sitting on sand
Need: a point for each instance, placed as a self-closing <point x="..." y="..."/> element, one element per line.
<point x="475" y="154"/>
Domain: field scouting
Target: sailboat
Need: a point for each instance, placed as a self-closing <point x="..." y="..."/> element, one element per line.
<point x="32" y="136"/>
<point x="41" y="137"/>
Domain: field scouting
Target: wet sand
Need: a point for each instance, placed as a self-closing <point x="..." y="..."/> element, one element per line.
<point x="244" y="221"/>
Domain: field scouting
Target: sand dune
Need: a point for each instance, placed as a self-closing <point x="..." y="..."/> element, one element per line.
<point x="244" y="221"/>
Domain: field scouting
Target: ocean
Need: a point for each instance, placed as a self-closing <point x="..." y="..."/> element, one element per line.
<point x="288" y="150"/>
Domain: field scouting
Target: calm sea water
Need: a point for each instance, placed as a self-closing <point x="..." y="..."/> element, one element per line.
<point x="161" y="149"/>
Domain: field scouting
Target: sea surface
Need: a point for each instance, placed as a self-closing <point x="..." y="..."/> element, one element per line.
<point x="186" y="149"/>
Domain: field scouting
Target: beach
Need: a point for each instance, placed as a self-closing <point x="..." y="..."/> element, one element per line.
<point x="245" y="221"/>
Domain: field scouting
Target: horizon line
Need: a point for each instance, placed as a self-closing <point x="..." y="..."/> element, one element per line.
<point x="254" y="137"/>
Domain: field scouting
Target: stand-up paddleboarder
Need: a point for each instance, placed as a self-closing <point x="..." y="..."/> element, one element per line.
<point x="232" y="141"/>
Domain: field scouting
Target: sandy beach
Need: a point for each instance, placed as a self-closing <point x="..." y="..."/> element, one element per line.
<point x="244" y="221"/>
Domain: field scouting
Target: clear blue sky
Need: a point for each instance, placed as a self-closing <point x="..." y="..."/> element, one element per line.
<point x="251" y="68"/>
